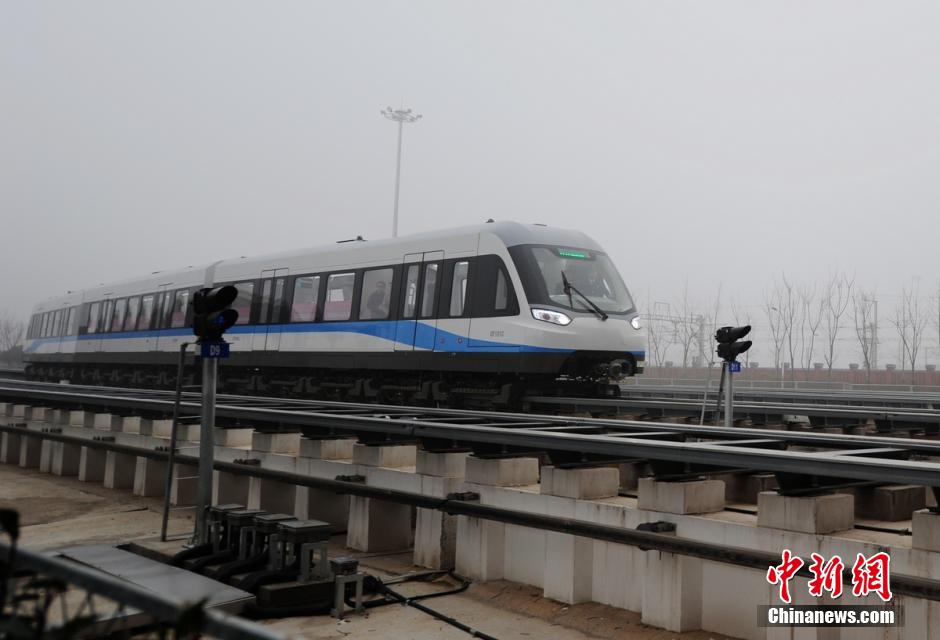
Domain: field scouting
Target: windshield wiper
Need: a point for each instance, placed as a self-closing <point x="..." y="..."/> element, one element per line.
<point x="570" y="287"/>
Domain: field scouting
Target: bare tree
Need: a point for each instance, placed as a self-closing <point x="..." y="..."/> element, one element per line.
<point x="866" y="326"/>
<point x="836" y="300"/>
<point x="775" y="321"/>
<point x="741" y="319"/>
<point x="789" y="312"/>
<point x="687" y="325"/>
<point x="12" y="332"/>
<point x="811" y="314"/>
<point x="710" y="331"/>
<point x="657" y="333"/>
<point x="910" y="320"/>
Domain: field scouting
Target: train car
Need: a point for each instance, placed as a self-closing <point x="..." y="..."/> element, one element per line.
<point x="491" y="310"/>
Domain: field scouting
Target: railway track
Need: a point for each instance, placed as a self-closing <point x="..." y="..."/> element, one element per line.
<point x="882" y="419"/>
<point x="803" y="461"/>
<point x="854" y="397"/>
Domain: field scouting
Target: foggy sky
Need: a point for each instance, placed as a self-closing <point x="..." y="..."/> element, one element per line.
<point x="699" y="142"/>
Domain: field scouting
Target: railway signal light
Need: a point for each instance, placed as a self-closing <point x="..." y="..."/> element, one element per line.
<point x="728" y="346"/>
<point x="211" y="313"/>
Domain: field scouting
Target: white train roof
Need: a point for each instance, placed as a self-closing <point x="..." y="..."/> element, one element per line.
<point x="353" y="253"/>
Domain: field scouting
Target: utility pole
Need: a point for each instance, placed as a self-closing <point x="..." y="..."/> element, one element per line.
<point x="401" y="116"/>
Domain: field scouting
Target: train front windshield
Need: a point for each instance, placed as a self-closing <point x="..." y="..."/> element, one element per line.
<point x="544" y="270"/>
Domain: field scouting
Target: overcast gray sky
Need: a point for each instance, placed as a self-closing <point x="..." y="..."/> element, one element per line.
<point x="697" y="141"/>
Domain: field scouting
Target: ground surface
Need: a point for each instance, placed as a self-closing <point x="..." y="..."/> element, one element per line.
<point x="59" y="512"/>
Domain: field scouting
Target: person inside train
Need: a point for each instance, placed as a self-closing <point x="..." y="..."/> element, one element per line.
<point x="377" y="302"/>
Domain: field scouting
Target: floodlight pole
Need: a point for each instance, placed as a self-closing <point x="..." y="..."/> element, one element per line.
<point x="401" y="116"/>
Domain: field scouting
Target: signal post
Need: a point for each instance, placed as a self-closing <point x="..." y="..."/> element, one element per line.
<point x="211" y="318"/>
<point x="728" y="350"/>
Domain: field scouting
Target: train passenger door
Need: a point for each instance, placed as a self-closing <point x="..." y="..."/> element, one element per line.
<point x="421" y="276"/>
<point x="273" y="289"/>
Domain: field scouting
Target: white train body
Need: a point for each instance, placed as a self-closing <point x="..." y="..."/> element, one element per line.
<point x="488" y="300"/>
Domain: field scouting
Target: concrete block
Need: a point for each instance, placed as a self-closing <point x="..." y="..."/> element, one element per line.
<point x="569" y="565"/>
<point x="891" y="503"/>
<point x="45" y="455"/>
<point x="184" y="486"/>
<point x="6" y="409"/>
<point x="185" y="432"/>
<point x="271" y="496"/>
<point x="10" y="448"/>
<point x="91" y="465"/>
<point x="375" y="525"/>
<point x="136" y="424"/>
<point x="745" y="487"/>
<point x="480" y="549"/>
<point x="149" y="477"/>
<point x="502" y="472"/>
<point x="390" y="456"/>
<point x="108" y="422"/>
<point x="441" y="465"/>
<point x="672" y="595"/>
<point x="229" y="488"/>
<point x="697" y="496"/>
<point x="66" y="459"/>
<point x="233" y="438"/>
<point x="327" y="448"/>
<point x="585" y="484"/>
<point x="288" y="443"/>
<point x="81" y="419"/>
<point x="41" y="414"/>
<point x="807" y="514"/>
<point x="926" y="530"/>
<point x="61" y="416"/>
<point x="119" y="469"/>
<point x="30" y="450"/>
<point x="435" y="539"/>
<point x="22" y="412"/>
<point x="326" y="506"/>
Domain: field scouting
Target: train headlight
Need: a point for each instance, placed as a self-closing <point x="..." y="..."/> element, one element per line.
<point x="635" y="323"/>
<point x="555" y="317"/>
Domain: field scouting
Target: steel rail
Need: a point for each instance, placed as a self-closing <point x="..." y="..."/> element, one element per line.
<point x="901" y="584"/>
<point x="691" y="406"/>
<point x="251" y="407"/>
<point x="867" y="465"/>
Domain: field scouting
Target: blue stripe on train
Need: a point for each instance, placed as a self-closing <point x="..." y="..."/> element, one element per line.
<point x="406" y="332"/>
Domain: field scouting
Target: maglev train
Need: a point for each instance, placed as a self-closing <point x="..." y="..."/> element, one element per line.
<point x="493" y="310"/>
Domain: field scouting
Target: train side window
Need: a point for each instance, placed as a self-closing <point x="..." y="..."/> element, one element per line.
<point x="146" y="312"/>
<point x="158" y="311"/>
<point x="133" y="311"/>
<point x="71" y="325"/>
<point x="265" y="300"/>
<point x="410" y="303"/>
<point x="242" y="304"/>
<point x="277" y="305"/>
<point x="429" y="289"/>
<point x="458" y="288"/>
<point x="376" y="288"/>
<point x="93" y="317"/>
<point x="306" y="293"/>
<point x="339" y="295"/>
<point x="501" y="299"/>
<point x="57" y="324"/>
<point x="108" y="311"/>
<point x="120" y="310"/>
<point x="178" y="310"/>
